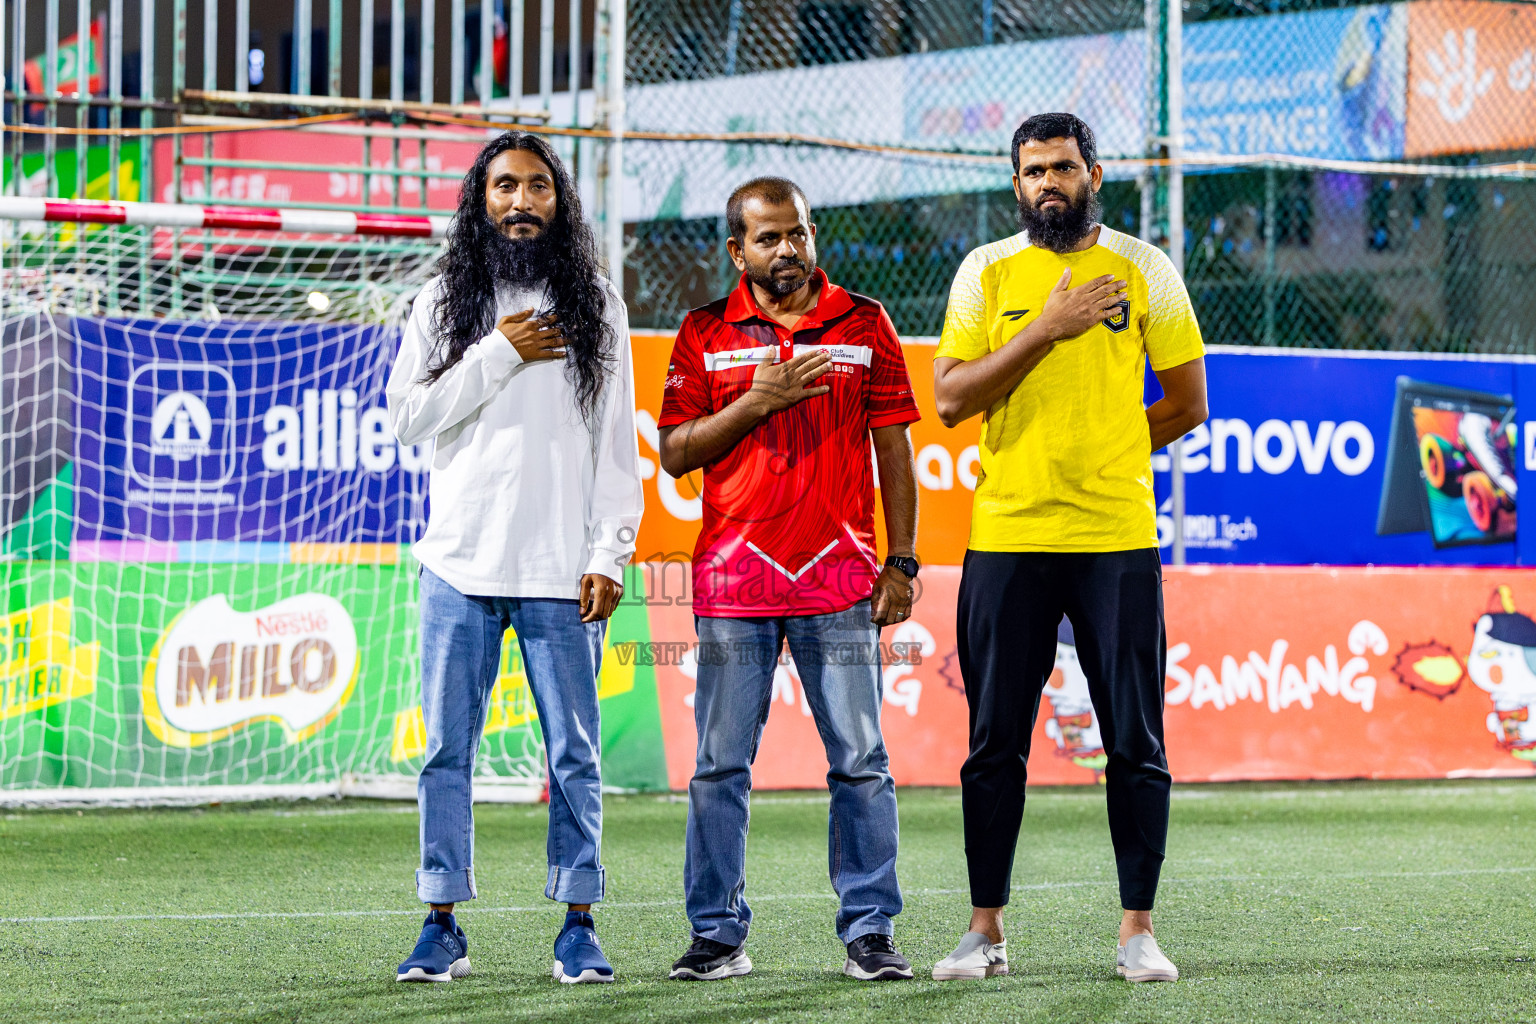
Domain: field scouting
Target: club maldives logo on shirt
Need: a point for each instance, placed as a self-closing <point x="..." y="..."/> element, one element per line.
<point x="216" y="670"/>
<point x="1121" y="319"/>
<point x="730" y="359"/>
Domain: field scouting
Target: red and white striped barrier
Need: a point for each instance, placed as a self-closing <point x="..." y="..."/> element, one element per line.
<point x="178" y="215"/>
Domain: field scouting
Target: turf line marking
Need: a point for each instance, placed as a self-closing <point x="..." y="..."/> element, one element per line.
<point x="1265" y="879"/>
<point x="280" y="915"/>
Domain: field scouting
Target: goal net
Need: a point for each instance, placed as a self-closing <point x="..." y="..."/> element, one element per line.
<point x="205" y="518"/>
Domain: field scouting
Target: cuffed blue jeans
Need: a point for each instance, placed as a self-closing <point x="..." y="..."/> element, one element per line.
<point x="837" y="657"/>
<point x="460" y="657"/>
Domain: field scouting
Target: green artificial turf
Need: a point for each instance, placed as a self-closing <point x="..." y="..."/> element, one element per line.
<point x="1323" y="902"/>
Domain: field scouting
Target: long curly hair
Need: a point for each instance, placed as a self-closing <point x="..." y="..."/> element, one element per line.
<point x="465" y="310"/>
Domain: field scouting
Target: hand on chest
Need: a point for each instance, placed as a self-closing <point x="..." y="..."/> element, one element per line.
<point x="1019" y="303"/>
<point x="732" y="371"/>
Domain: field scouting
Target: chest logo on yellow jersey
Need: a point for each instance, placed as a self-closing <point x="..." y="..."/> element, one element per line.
<point x="1121" y="320"/>
<point x="1014" y="314"/>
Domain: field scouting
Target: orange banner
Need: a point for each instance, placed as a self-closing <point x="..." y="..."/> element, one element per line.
<point x="947" y="464"/>
<point x="1273" y="673"/>
<point x="1471" y="76"/>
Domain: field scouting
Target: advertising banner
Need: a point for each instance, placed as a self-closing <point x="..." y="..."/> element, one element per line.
<point x="72" y="63"/>
<point x="1328" y="84"/>
<point x="244" y="437"/>
<point x="853" y="100"/>
<point x="37" y="442"/>
<point x="1273" y="673"/>
<point x="98" y="178"/>
<point x="972" y="100"/>
<point x="114" y="674"/>
<point x="119" y="674"/>
<point x="1356" y="459"/>
<point x="237" y="448"/>
<point x="1471" y="76"/>
<point x="1305" y="459"/>
<point x="1320" y="83"/>
<point x="272" y="442"/>
<point x="281" y="185"/>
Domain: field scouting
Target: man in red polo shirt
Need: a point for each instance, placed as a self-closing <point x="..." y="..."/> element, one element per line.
<point x="775" y="391"/>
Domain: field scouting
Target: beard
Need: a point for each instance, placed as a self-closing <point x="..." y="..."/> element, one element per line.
<point x="1060" y="229"/>
<point x="520" y="261"/>
<point x="770" y="280"/>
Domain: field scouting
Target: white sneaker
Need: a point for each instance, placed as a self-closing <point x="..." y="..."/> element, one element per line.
<point x="1140" y="960"/>
<point x="975" y="957"/>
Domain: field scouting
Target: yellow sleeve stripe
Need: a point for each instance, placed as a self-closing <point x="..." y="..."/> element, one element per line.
<point x="1173" y="333"/>
<point x="965" y="329"/>
<point x="1165" y="292"/>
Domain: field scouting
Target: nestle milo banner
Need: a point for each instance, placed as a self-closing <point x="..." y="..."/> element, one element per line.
<point x="121" y="674"/>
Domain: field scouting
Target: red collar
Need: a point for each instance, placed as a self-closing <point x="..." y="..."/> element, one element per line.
<point x="833" y="301"/>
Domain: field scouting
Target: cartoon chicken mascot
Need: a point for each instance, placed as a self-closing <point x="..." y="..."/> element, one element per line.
<point x="1072" y="723"/>
<point x="1503" y="664"/>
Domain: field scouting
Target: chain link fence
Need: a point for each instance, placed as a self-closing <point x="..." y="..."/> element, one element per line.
<point x="1352" y="175"/>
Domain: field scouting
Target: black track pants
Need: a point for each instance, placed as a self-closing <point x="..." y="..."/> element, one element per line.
<point x="1010" y="606"/>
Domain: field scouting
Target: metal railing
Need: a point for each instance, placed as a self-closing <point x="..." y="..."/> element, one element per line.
<point x="70" y="138"/>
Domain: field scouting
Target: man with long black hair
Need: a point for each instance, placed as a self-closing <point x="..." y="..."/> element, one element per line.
<point x="516" y="364"/>
<point x="1048" y="334"/>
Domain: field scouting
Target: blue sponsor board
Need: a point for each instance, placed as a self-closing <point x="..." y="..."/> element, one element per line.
<point x="1322" y="83"/>
<point x="1314" y="457"/>
<point x="237" y="435"/>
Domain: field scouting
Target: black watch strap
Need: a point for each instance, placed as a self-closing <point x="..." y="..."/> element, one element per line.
<point x="907" y="565"/>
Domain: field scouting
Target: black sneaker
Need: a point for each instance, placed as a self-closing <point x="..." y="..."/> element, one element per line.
<point x="707" y="960"/>
<point x="874" y="958"/>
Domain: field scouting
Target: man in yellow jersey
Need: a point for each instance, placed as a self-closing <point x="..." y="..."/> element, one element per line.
<point x="1047" y="334"/>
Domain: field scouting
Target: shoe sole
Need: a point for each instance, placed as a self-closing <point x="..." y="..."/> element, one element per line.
<point x="458" y="969"/>
<point x="853" y="970"/>
<point x="1146" y="974"/>
<point x="731" y="969"/>
<point x="591" y="974"/>
<point x="968" y="973"/>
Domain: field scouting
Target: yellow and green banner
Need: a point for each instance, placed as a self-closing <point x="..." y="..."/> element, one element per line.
<point x="117" y="674"/>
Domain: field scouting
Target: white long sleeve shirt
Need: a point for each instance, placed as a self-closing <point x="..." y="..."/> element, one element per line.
<point x="525" y="497"/>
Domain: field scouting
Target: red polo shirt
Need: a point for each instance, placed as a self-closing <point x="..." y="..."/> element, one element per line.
<point x="789" y="513"/>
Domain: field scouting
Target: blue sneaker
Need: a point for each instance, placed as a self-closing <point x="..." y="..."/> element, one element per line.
<point x="578" y="957"/>
<point x="441" y="954"/>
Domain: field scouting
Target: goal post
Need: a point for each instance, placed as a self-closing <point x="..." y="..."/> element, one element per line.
<point x="205" y="518"/>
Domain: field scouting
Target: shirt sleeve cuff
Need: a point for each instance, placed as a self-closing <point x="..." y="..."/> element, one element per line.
<point x="676" y="416"/>
<point x="1176" y="359"/>
<point x="891" y="419"/>
<point x="608" y="562"/>
<point x="500" y="353"/>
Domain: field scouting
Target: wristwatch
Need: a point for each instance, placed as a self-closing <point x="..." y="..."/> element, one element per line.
<point x="905" y="564"/>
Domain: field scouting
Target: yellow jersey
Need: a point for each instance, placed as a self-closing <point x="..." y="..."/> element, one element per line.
<point x="1066" y="460"/>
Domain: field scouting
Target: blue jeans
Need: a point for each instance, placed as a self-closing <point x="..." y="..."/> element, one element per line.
<point x="460" y="658"/>
<point x="837" y="656"/>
